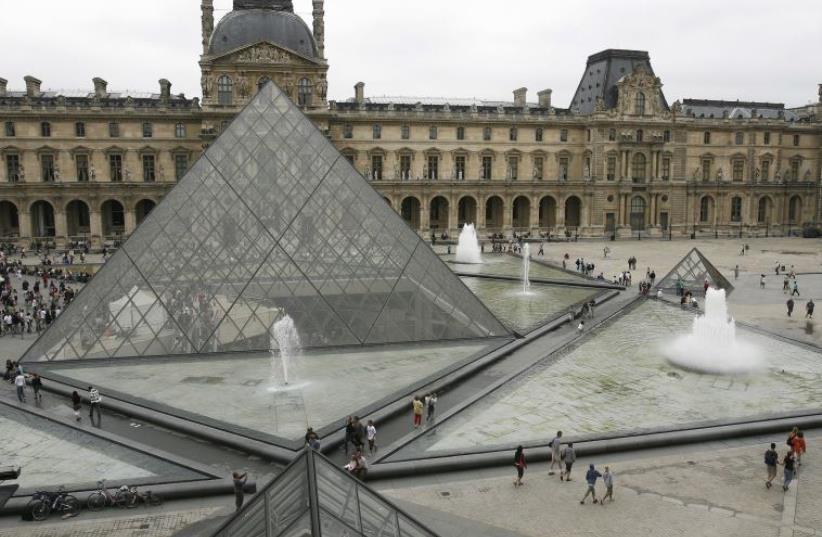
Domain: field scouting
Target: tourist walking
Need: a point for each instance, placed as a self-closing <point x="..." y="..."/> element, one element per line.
<point x="786" y="285"/>
<point x="788" y="462"/>
<point x="239" y="489"/>
<point x="789" y="303"/>
<point x="371" y="434"/>
<point x="569" y="456"/>
<point x="36" y="384"/>
<point x="430" y="406"/>
<point x="94" y="403"/>
<point x="798" y="446"/>
<point x="20" y="384"/>
<point x="771" y="460"/>
<point x="795" y="291"/>
<point x="555" y="444"/>
<point x="736" y="270"/>
<point x="75" y="404"/>
<point x="519" y="462"/>
<point x="349" y="433"/>
<point x="417" y="407"/>
<point x="809" y="309"/>
<point x="761" y="281"/>
<point x="359" y="434"/>
<point x="608" y="479"/>
<point x="591" y="477"/>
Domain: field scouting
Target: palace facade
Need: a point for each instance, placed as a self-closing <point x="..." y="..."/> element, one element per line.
<point x="620" y="160"/>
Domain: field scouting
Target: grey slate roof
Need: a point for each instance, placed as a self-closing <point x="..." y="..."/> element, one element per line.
<point x="602" y="72"/>
<point x="249" y="26"/>
<point x="709" y="108"/>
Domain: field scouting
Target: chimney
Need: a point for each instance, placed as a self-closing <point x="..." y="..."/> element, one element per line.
<point x="544" y="98"/>
<point x="165" y="89"/>
<point x="3" y="85"/>
<point x="359" y="92"/>
<point x="519" y="97"/>
<point x="319" y="27"/>
<point x="100" y="91"/>
<point x="32" y="86"/>
<point x="207" y="19"/>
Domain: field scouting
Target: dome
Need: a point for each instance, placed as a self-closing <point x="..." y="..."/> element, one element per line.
<point x="249" y="26"/>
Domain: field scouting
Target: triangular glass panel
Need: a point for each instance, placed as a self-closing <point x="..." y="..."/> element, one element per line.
<point x="691" y="273"/>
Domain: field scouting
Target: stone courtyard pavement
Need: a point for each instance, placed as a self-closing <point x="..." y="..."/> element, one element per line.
<point x="714" y="491"/>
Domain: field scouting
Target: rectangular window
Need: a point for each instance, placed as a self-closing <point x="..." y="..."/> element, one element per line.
<point x="563" y="169"/>
<point x="80" y="129"/>
<point x="148" y="130"/>
<point x="376" y="132"/>
<point x="459" y="168"/>
<point x="739" y="138"/>
<point x="180" y="130"/>
<point x="13" y="168"/>
<point x="766" y="138"/>
<point x="736" y="209"/>
<point x="766" y="170"/>
<point x="486" y="134"/>
<point x="405" y="167"/>
<point x="666" y="135"/>
<point x="588" y="135"/>
<point x="796" y="140"/>
<point x="513" y="169"/>
<point x="81" y="162"/>
<point x="706" y="170"/>
<point x="738" y="169"/>
<point x="795" y="170"/>
<point x="538" y="167"/>
<point x="47" y="168"/>
<point x="460" y="133"/>
<point x="611" y="135"/>
<point x="752" y="138"/>
<point x="348" y="130"/>
<point x="666" y="168"/>
<point x="114" y="130"/>
<point x="706" y="138"/>
<point x="376" y="167"/>
<point x="149" y="175"/>
<point x="45" y="129"/>
<point x="512" y="134"/>
<point x="433" y="166"/>
<point x="487" y="165"/>
<point x="612" y="163"/>
<point x="432" y="133"/>
<point x="115" y="166"/>
<point x="10" y="129"/>
<point x="538" y="134"/>
<point x="405" y="132"/>
<point x="563" y="135"/>
<point x="180" y="166"/>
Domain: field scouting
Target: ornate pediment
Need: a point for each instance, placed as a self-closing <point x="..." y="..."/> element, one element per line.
<point x="640" y="93"/>
<point x="264" y="54"/>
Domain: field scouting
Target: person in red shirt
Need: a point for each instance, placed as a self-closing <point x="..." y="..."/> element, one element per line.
<point x="798" y="446"/>
<point x="519" y="462"/>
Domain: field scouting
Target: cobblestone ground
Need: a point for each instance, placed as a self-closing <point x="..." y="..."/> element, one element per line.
<point x="715" y="493"/>
<point x="158" y="525"/>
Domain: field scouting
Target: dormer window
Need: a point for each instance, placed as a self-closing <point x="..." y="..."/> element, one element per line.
<point x="639" y="104"/>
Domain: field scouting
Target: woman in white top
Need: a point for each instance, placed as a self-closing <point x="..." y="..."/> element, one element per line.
<point x="371" y="435"/>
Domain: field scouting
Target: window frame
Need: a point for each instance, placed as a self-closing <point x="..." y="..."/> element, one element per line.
<point x="113" y="129"/>
<point x="563" y="135"/>
<point x="405" y="132"/>
<point x="348" y="131"/>
<point x="539" y="134"/>
<point x="178" y="158"/>
<point x="83" y="172"/>
<point x="80" y="129"/>
<point x="48" y="174"/>
<point x="377" y="167"/>
<point x="9" y="129"/>
<point x="487" y="134"/>
<point x="706" y="138"/>
<point x="487" y="167"/>
<point x="12" y="162"/>
<point x="539" y="168"/>
<point x="180" y="130"/>
<point x="736" y="209"/>
<point x="513" y="134"/>
<point x="639" y="104"/>
<point x="225" y="91"/>
<point x="149" y="171"/>
<point x="305" y="92"/>
<point x="460" y="133"/>
<point x="433" y="132"/>
<point x="376" y="131"/>
<point x="45" y="129"/>
<point x="148" y="129"/>
<point x="115" y="168"/>
<point x="738" y="169"/>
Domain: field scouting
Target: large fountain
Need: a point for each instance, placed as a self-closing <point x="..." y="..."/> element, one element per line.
<point x="284" y="345"/>
<point x="468" y="248"/>
<point x="712" y="345"/>
<point x="526" y="268"/>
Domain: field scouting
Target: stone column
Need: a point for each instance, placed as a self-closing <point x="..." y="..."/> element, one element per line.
<point x="59" y="228"/>
<point x="24" y="219"/>
<point x="453" y="216"/>
<point x="480" y="224"/>
<point x="130" y="219"/>
<point x="425" y="214"/>
<point x="507" y="213"/>
<point x="534" y="214"/>
<point x="96" y="228"/>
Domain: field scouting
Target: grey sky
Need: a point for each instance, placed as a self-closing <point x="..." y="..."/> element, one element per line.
<point x="751" y="50"/>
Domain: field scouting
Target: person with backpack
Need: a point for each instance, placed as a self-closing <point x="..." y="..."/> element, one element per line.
<point x="771" y="461"/>
<point x="789" y="463"/>
<point x="519" y="462"/>
<point x="591" y="477"/>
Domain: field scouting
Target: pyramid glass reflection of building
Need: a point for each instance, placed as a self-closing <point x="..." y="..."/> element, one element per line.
<point x="271" y="220"/>
<point x="312" y="497"/>
<point x="692" y="272"/>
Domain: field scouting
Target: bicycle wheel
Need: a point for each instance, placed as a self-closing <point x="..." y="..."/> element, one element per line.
<point x="155" y="500"/>
<point x="71" y="505"/>
<point x="40" y="510"/>
<point x="96" y="501"/>
<point x="126" y="499"/>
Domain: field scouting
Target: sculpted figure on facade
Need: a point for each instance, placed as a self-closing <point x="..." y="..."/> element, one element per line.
<point x="206" y="83"/>
<point x="719" y="174"/>
<point x="242" y="85"/>
<point x="322" y="88"/>
<point x="263" y="53"/>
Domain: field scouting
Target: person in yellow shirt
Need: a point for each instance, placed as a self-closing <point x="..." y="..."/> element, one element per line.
<point x="418" y="406"/>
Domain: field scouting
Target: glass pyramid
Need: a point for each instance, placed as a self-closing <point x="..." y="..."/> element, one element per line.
<point x="271" y="220"/>
<point x="691" y="272"/>
<point x="314" y="498"/>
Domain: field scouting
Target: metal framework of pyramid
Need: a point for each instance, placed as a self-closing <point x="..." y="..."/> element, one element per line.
<point x="271" y="220"/>
<point x="692" y="271"/>
<point x="312" y="497"/>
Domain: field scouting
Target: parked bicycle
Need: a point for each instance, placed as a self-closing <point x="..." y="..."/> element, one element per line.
<point x="147" y="498"/>
<point x="43" y="503"/>
<point x="103" y="497"/>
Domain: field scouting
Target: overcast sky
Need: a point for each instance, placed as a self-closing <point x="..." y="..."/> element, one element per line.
<point x="750" y="50"/>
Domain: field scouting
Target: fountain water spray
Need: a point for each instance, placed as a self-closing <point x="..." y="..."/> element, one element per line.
<point x="526" y="268"/>
<point x="468" y="248"/>
<point x="712" y="345"/>
<point x="284" y="345"/>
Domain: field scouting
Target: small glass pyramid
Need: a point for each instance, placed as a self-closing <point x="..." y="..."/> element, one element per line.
<point x="271" y="220"/>
<point x="691" y="272"/>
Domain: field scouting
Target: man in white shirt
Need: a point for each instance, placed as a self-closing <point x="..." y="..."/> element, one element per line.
<point x="94" y="402"/>
<point x="20" y="384"/>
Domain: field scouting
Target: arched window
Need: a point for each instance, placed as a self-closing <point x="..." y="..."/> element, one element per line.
<point x="225" y="90"/>
<point x="763" y="213"/>
<point x="376" y="132"/>
<point x="638" y="207"/>
<point x="638" y="168"/>
<point x="639" y="104"/>
<point x="639" y="135"/>
<point x="705" y="209"/>
<point x="739" y="138"/>
<point x="304" y="92"/>
<point x="736" y="209"/>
